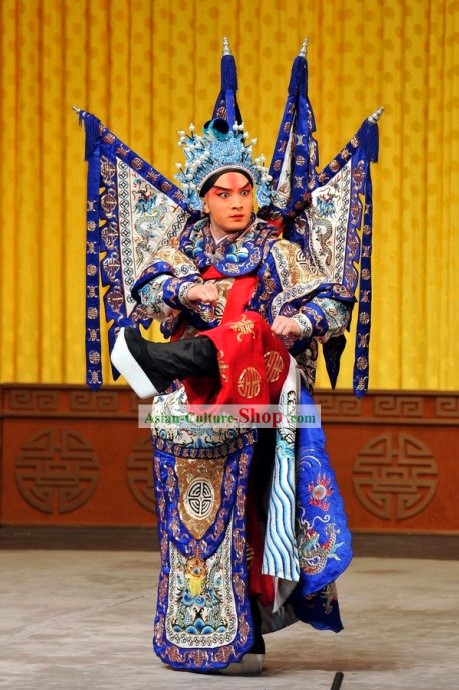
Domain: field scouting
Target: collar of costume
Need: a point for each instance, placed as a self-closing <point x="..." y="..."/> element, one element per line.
<point x="232" y="257"/>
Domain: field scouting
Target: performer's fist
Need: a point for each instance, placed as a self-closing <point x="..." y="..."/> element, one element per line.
<point x="285" y="326"/>
<point x="204" y="293"/>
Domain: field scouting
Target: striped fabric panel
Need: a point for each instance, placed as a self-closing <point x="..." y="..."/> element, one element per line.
<point x="280" y="558"/>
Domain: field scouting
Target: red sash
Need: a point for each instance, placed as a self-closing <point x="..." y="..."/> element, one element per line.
<point x="253" y="362"/>
<point x="239" y="295"/>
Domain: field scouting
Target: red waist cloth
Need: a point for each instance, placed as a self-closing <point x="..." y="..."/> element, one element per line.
<point x="252" y="361"/>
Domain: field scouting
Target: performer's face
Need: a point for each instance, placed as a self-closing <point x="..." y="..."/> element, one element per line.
<point x="229" y="203"/>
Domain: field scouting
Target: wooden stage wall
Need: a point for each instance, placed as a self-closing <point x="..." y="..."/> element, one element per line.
<point x="73" y="457"/>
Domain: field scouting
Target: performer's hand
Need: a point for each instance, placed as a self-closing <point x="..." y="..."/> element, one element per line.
<point x="204" y="293"/>
<point x="285" y="326"/>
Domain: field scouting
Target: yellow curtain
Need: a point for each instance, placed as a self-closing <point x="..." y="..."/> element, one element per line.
<point x="147" y="68"/>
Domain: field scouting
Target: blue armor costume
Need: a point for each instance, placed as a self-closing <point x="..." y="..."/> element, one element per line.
<point x="252" y="529"/>
<point x="204" y="620"/>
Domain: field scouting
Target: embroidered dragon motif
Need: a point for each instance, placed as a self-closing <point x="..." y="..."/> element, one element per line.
<point x="312" y="553"/>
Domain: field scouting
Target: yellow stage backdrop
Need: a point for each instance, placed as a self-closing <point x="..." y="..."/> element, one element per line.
<point x="147" y="68"/>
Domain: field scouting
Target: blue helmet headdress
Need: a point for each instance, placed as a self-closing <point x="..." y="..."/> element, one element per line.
<point x="218" y="149"/>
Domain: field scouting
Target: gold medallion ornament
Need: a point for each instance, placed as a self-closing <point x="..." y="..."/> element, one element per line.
<point x="362" y="363"/>
<point x="249" y="383"/>
<point x="274" y="365"/>
<point x="94" y="357"/>
<point x="200" y="483"/>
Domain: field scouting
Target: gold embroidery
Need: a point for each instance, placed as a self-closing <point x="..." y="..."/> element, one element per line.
<point x="174" y="257"/>
<point x="107" y="170"/>
<point x="243" y="327"/>
<point x="249" y="383"/>
<point x="223" y="367"/>
<point x="362" y="363"/>
<point x="274" y="365"/>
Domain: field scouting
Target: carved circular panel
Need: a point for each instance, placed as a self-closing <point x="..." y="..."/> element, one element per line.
<point x="395" y="476"/>
<point x="57" y="470"/>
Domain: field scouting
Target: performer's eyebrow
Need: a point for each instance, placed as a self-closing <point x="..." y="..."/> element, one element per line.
<point x="228" y="189"/>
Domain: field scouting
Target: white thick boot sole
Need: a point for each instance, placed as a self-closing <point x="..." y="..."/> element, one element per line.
<point x="130" y="369"/>
<point x="248" y="665"/>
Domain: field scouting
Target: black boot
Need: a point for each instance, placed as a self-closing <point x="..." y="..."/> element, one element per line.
<point x="150" y="368"/>
<point x="258" y="646"/>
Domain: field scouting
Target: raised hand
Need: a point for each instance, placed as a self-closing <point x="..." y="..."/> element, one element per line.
<point x="204" y="293"/>
<point x="285" y="326"/>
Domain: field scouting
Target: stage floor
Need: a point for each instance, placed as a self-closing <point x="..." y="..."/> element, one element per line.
<point x="77" y="609"/>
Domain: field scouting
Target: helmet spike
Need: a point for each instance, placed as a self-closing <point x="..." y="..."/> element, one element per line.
<point x="304" y="48"/>
<point x="226" y="48"/>
<point x="374" y="117"/>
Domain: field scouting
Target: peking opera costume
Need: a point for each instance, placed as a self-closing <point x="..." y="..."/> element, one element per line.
<point x="253" y="533"/>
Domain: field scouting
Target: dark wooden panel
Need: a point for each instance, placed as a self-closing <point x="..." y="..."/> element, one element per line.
<point x="73" y="457"/>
